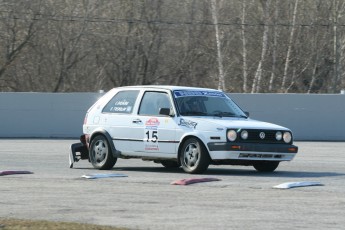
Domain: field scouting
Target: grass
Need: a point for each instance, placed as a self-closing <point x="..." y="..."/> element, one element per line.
<point x="18" y="224"/>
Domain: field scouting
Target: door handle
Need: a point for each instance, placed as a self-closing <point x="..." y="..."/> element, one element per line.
<point x="136" y="121"/>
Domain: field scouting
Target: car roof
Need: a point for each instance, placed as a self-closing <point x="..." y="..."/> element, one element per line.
<point x="169" y="87"/>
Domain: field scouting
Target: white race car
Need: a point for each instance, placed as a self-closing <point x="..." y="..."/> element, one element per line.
<point x="179" y="127"/>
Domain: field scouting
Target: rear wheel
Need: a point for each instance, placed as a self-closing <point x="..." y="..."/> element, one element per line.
<point x="101" y="156"/>
<point x="266" y="166"/>
<point x="194" y="157"/>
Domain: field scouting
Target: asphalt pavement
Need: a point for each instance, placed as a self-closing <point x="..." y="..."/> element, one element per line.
<point x="145" y="199"/>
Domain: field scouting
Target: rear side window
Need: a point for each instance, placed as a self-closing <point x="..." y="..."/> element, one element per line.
<point x="122" y="102"/>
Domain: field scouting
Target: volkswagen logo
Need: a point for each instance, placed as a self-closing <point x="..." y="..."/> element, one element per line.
<point x="262" y="135"/>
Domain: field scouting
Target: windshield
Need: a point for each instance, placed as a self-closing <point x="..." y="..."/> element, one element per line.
<point x="206" y="103"/>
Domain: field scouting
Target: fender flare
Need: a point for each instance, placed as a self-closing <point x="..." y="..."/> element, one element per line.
<point x="104" y="132"/>
<point x="191" y="135"/>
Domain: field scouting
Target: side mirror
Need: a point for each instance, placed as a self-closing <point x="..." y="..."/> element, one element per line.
<point x="166" y="112"/>
<point x="246" y="113"/>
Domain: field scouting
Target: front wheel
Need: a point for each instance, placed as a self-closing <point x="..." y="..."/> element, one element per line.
<point x="194" y="157"/>
<point x="101" y="156"/>
<point x="266" y="166"/>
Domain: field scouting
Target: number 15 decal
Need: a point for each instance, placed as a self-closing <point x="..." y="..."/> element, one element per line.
<point x="153" y="135"/>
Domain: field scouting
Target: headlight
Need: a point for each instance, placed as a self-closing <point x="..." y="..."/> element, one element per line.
<point x="279" y="136"/>
<point x="287" y="137"/>
<point x="244" y="134"/>
<point x="232" y="135"/>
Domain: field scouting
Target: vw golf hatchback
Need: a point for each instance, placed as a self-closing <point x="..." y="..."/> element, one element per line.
<point x="179" y="127"/>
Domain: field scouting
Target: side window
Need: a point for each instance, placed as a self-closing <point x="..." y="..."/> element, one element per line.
<point x="122" y="102"/>
<point x="152" y="102"/>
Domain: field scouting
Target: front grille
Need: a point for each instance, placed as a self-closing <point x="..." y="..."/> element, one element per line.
<point x="254" y="136"/>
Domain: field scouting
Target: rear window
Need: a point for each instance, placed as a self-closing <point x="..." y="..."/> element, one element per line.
<point x="122" y="102"/>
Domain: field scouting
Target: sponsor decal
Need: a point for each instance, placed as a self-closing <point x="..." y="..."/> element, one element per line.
<point x="121" y="106"/>
<point x="187" y="123"/>
<point x="124" y="102"/>
<point x="151" y="148"/>
<point x="118" y="109"/>
<point x="152" y="122"/>
<point x="188" y="93"/>
<point x="151" y="134"/>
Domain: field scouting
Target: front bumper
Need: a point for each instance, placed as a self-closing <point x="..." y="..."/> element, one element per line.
<point x="251" y="151"/>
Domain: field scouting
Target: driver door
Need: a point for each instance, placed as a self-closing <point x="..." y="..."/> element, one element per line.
<point x="158" y="131"/>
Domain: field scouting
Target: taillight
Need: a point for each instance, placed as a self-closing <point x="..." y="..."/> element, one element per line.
<point x="85" y="119"/>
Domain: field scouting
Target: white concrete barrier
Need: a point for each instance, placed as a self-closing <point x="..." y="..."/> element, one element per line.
<point x="44" y="115"/>
<point x="310" y="116"/>
<point x="60" y="115"/>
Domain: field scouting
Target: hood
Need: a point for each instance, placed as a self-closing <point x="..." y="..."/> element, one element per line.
<point x="230" y="122"/>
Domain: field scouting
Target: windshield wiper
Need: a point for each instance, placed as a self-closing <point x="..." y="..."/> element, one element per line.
<point x="227" y="114"/>
<point x="223" y="114"/>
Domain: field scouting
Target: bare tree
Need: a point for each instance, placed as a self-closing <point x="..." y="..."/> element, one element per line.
<point x="84" y="45"/>
<point x="68" y="41"/>
<point x="244" y="48"/>
<point x="221" y="81"/>
<point x="338" y="11"/>
<point x="20" y="29"/>
<point x="290" y="43"/>
<point x="274" y="48"/>
<point x="258" y="73"/>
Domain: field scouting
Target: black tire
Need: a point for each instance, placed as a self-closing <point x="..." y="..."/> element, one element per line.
<point x="194" y="157"/>
<point x="101" y="156"/>
<point x="170" y="164"/>
<point x="266" y="166"/>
